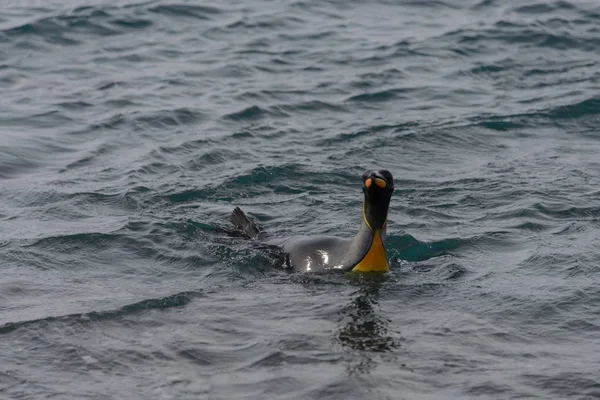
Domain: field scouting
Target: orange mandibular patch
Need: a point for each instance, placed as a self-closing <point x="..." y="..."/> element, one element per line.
<point x="380" y="182"/>
<point x="368" y="182"/>
<point x="374" y="260"/>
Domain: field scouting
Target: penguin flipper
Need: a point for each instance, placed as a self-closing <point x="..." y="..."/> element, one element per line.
<point x="248" y="228"/>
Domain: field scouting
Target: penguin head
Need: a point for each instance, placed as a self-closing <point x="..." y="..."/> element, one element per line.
<point x="378" y="186"/>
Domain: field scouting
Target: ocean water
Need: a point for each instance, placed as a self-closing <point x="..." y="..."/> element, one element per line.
<point x="129" y="130"/>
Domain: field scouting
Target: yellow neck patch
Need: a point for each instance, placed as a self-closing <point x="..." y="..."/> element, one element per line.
<point x="374" y="260"/>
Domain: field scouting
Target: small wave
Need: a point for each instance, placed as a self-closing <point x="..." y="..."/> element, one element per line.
<point x="18" y="159"/>
<point x="130" y="23"/>
<point x="531" y="226"/>
<point x="513" y="212"/>
<point x="540" y="262"/>
<point x="155" y="168"/>
<point x="565" y="385"/>
<point x="269" y="174"/>
<point x="589" y="107"/>
<point x="541" y="8"/>
<point x="212" y="157"/>
<point x="313" y="105"/>
<point x="258" y="179"/>
<point x="471" y="41"/>
<point x="43" y="120"/>
<point x="490" y="389"/>
<point x="190" y="195"/>
<point x="500" y="124"/>
<point x="574" y="228"/>
<point x="12" y="164"/>
<point x="431" y="4"/>
<point x="122" y="200"/>
<point x="74" y="105"/>
<point x="46" y="198"/>
<point x="169" y="118"/>
<point x="56" y="28"/>
<point x="581" y="325"/>
<point x="370" y="132"/>
<point x="151" y="120"/>
<point x="175" y="300"/>
<point x="76" y="241"/>
<point x="384" y="95"/>
<point x="187" y="11"/>
<point x="428" y="213"/>
<point x="190" y="146"/>
<point x="268" y="24"/>
<point x="72" y="28"/>
<point x="377" y="79"/>
<point x="92" y="157"/>
<point x="562" y="211"/>
<point x="113" y="122"/>
<point x="254" y="113"/>
<point x="516" y="122"/>
<point x="110" y="84"/>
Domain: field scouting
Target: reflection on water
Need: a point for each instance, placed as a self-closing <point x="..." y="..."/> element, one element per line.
<point x="363" y="329"/>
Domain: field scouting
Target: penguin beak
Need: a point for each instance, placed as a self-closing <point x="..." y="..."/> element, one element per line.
<point x="378" y="181"/>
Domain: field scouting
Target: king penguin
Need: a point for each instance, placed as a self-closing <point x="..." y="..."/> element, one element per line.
<point x="365" y="252"/>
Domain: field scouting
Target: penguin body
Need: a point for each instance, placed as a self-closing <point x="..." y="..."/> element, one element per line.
<point x="365" y="252"/>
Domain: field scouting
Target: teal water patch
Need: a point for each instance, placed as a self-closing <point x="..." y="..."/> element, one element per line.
<point x="408" y="248"/>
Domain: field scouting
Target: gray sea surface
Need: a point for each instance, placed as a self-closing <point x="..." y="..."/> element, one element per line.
<point x="129" y="130"/>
